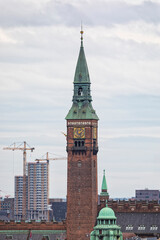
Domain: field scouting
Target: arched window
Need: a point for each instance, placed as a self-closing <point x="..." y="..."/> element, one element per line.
<point x="80" y="91"/>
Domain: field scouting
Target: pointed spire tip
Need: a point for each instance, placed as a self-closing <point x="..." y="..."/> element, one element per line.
<point x="81" y="32"/>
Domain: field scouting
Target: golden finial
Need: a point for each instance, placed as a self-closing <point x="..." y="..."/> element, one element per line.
<point x="81" y="32"/>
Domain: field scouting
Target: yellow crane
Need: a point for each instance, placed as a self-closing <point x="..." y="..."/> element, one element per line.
<point x="48" y="159"/>
<point x="24" y="147"/>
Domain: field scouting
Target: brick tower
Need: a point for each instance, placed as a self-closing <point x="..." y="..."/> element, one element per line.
<point x="82" y="148"/>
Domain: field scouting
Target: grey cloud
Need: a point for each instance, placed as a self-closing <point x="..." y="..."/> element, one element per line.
<point x="22" y="13"/>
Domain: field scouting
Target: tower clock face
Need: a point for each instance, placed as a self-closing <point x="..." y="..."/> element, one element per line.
<point x="79" y="132"/>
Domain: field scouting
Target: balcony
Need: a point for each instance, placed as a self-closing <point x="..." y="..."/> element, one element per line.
<point x="79" y="148"/>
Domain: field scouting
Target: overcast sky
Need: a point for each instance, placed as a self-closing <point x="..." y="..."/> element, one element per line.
<point x="39" y="46"/>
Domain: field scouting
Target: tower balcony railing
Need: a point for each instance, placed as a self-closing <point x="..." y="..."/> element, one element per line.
<point x="76" y="148"/>
<point x="83" y="148"/>
<point x="79" y="148"/>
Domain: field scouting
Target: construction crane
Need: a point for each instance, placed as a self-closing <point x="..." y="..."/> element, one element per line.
<point x="48" y="159"/>
<point x="24" y="147"/>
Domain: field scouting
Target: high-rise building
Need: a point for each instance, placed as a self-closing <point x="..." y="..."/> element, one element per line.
<point x="18" y="200"/>
<point x="82" y="148"/>
<point x="38" y="191"/>
<point x="148" y="195"/>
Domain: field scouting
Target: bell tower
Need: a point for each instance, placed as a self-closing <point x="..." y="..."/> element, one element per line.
<point x="82" y="148"/>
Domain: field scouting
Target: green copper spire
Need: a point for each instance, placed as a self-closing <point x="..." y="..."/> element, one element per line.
<point x="82" y="107"/>
<point x="81" y="73"/>
<point x="104" y="185"/>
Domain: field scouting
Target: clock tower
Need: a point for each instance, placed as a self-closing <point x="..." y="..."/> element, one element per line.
<point x="82" y="148"/>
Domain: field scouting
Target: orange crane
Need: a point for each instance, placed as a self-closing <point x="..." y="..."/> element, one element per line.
<point x="24" y="147"/>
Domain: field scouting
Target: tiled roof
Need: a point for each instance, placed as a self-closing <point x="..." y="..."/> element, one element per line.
<point x="139" y="222"/>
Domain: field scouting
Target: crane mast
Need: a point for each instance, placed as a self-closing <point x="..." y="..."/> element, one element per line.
<point x="24" y="148"/>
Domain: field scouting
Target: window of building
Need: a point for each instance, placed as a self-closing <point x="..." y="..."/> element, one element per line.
<point x="9" y="237"/>
<point x="45" y="238"/>
<point x="129" y="227"/>
<point x="153" y="228"/>
<point x="79" y="143"/>
<point x="141" y="227"/>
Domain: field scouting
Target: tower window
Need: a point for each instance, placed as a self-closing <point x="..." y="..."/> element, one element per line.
<point x="80" y="91"/>
<point x="79" y="163"/>
<point x="79" y="143"/>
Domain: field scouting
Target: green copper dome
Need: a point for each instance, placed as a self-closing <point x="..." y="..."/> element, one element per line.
<point x="106" y="213"/>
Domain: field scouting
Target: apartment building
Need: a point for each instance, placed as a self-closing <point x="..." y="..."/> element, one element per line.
<point x="38" y="191"/>
<point x="18" y="187"/>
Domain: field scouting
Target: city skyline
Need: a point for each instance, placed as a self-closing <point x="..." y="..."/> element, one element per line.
<point x="39" y="52"/>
